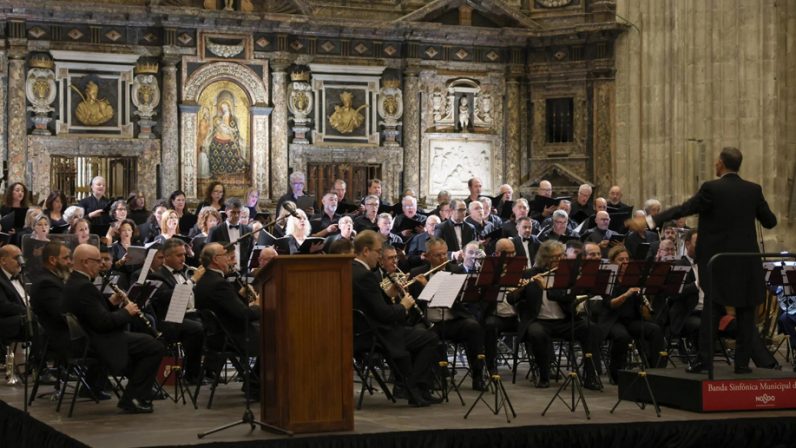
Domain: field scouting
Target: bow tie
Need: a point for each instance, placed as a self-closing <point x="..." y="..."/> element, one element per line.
<point x="457" y="224"/>
<point x="234" y="226"/>
<point x="524" y="240"/>
<point x="15" y="277"/>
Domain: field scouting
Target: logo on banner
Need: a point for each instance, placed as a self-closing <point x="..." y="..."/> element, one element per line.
<point x="765" y="399"/>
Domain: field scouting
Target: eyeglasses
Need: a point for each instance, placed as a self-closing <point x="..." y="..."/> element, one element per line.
<point x="95" y="260"/>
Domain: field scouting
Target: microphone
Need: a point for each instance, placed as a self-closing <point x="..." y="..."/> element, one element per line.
<point x="291" y="209"/>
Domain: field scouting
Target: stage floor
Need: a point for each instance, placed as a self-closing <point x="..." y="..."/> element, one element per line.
<point x="102" y="425"/>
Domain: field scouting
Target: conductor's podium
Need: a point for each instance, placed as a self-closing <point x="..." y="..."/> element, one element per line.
<point x="306" y="345"/>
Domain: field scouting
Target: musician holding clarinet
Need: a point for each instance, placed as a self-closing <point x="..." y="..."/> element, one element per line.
<point x="136" y="355"/>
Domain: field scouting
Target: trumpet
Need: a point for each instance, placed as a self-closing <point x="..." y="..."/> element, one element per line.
<point x="126" y="300"/>
<point x="429" y="272"/>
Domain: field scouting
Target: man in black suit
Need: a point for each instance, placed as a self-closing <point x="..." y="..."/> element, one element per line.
<point x="137" y="355"/>
<point x="525" y="243"/>
<point x="213" y="292"/>
<point x="12" y="294"/>
<point x="190" y="332"/>
<point x="455" y="231"/>
<point x="45" y="294"/>
<point x="413" y="349"/>
<point x="230" y="231"/>
<point x="727" y="208"/>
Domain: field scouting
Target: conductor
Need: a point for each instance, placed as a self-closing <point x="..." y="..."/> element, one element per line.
<point x="727" y="209"/>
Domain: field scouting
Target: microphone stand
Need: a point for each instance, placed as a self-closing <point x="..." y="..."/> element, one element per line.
<point x="291" y="211"/>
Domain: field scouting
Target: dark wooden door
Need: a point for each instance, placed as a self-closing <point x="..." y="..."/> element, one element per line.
<point x="321" y="177"/>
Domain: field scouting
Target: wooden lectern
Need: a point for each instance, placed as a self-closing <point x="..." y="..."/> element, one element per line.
<point x="307" y="338"/>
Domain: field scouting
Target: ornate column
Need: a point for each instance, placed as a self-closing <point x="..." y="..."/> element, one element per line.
<point x="146" y="95"/>
<point x="279" y="128"/>
<point x="411" y="128"/>
<point x="603" y="134"/>
<point x="513" y="132"/>
<point x="17" y="125"/>
<point x="170" y="142"/>
<point x="3" y="98"/>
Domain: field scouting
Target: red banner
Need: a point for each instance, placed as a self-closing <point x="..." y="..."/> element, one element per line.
<point x="743" y="395"/>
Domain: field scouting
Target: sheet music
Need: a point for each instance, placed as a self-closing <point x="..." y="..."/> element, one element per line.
<point x="147" y="264"/>
<point x="446" y="296"/>
<point x="614" y="269"/>
<point x="433" y="285"/>
<point x="179" y="303"/>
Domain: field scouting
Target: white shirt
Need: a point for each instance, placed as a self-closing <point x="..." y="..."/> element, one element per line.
<point x="695" y="267"/>
<point x="18" y="286"/>
<point x="550" y="309"/>
<point x="234" y="235"/>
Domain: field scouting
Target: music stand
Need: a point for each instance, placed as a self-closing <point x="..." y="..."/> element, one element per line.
<point x="649" y="277"/>
<point x="497" y="275"/>
<point x="441" y="292"/>
<point x="566" y="277"/>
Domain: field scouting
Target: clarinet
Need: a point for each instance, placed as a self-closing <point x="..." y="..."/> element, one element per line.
<point x="126" y="300"/>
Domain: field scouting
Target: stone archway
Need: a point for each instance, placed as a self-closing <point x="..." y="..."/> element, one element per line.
<point x="256" y="89"/>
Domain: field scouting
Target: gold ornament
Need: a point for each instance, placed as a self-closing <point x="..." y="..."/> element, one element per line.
<point x="92" y="111"/>
<point x="345" y="118"/>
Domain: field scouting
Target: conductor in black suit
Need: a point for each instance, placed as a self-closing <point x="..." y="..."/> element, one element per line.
<point x="230" y="231"/>
<point x="137" y="355"/>
<point x="727" y="209"/>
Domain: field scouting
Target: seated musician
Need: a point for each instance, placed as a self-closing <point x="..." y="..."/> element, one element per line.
<point x="458" y="324"/>
<point x="324" y="223"/>
<point x="45" y="294"/>
<point x="137" y="355"/>
<point x="12" y="294"/>
<point x="500" y="318"/>
<point x="413" y="349"/>
<point x="190" y="332"/>
<point x="213" y="292"/>
<point x="623" y="317"/>
<point x="558" y="228"/>
<point x="545" y="314"/>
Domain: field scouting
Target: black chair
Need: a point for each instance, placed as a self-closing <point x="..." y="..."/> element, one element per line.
<point x="368" y="356"/>
<point x="219" y="347"/>
<point x="76" y="366"/>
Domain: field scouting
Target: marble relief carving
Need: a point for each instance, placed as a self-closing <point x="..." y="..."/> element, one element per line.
<point x="455" y="160"/>
<point x="300" y="103"/>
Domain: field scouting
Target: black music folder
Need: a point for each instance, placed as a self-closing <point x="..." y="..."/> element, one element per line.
<point x="306" y="203"/>
<point x="409" y="224"/>
<point x="345" y="208"/>
<point x="540" y="203"/>
<point x="618" y="217"/>
<point x="15" y="219"/>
